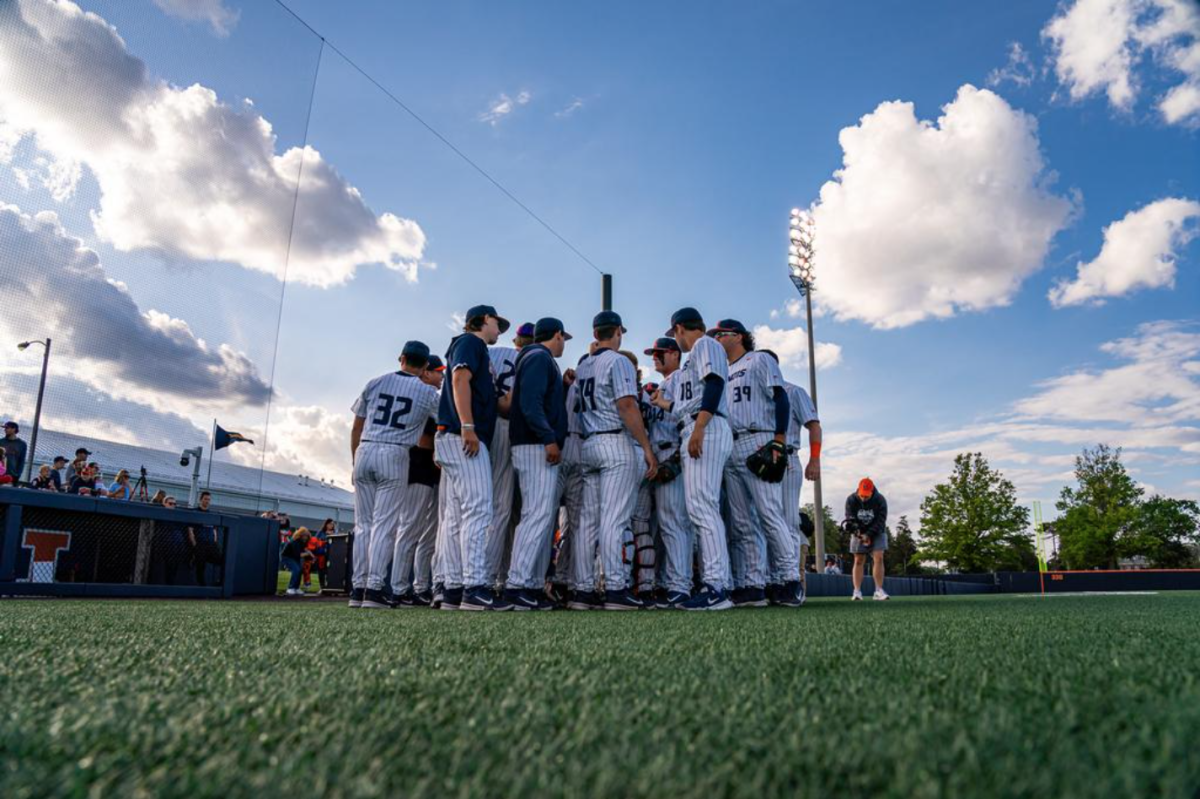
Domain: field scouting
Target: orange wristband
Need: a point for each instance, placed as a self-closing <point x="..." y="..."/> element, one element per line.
<point x="814" y="450"/>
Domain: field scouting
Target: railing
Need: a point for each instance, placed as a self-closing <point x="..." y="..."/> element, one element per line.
<point x="63" y="545"/>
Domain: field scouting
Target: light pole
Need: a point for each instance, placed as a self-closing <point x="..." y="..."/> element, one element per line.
<point x="801" y="262"/>
<point x="37" y="414"/>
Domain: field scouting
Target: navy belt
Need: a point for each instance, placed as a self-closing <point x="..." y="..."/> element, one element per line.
<point x="388" y="443"/>
<point x="737" y="435"/>
<point x="617" y="432"/>
<point x="679" y="427"/>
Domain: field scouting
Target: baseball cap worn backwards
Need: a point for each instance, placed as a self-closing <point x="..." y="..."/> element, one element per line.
<point x="415" y="349"/>
<point x="476" y="311"/>
<point x="682" y="317"/>
<point x="866" y="488"/>
<point x="546" y="327"/>
<point x="664" y="344"/>
<point x="608" y="319"/>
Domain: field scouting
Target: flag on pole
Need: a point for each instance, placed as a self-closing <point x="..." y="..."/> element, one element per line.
<point x="223" y="438"/>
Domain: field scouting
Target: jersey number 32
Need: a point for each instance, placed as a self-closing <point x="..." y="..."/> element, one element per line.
<point x="385" y="415"/>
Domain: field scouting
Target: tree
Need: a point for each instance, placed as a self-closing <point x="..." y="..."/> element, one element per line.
<point x="1101" y="511"/>
<point x="901" y="554"/>
<point x="973" y="523"/>
<point x="1164" y="532"/>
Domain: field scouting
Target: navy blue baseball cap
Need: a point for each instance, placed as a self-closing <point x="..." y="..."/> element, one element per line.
<point x="547" y="326"/>
<point x="683" y="316"/>
<point x="728" y="326"/>
<point x="526" y="330"/>
<point x="435" y="364"/>
<point x="477" y="311"/>
<point x="608" y="319"/>
<point x="664" y="344"/>
<point x="415" y="349"/>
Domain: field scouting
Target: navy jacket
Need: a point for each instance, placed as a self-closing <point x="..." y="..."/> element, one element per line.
<point x="539" y="401"/>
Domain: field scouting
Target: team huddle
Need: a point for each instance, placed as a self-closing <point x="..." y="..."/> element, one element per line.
<point x="494" y="480"/>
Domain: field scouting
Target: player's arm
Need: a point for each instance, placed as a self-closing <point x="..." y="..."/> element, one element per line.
<point x="783" y="413"/>
<point x="879" y="523"/>
<point x="710" y="400"/>
<point x="813" y="470"/>
<point x="461" y="380"/>
<point x="356" y="431"/>
<point x="631" y="416"/>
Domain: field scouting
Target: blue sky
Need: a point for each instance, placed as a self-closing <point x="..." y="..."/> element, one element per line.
<point x="669" y="143"/>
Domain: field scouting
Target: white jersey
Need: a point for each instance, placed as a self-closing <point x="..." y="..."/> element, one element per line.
<point x="706" y="358"/>
<point x="601" y="380"/>
<point x="663" y="426"/>
<point x="504" y="367"/>
<point x="396" y="407"/>
<point x="753" y="379"/>
<point x="803" y="412"/>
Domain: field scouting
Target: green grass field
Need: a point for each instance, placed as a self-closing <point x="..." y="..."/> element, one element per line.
<point x="924" y="697"/>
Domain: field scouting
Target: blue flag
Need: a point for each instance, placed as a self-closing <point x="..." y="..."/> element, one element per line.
<point x="226" y="437"/>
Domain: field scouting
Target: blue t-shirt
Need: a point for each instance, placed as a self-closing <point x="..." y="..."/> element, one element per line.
<point x="469" y="352"/>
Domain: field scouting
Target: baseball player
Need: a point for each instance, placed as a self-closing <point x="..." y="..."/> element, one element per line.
<point x="413" y="555"/>
<point x="571" y="476"/>
<point x="703" y="409"/>
<point x="538" y="429"/>
<point x="499" y="541"/>
<point x="675" y="534"/>
<point x="868" y="507"/>
<point x="466" y="426"/>
<point x="389" y="416"/>
<point x="759" y="413"/>
<point x="803" y="417"/>
<point x="613" y="431"/>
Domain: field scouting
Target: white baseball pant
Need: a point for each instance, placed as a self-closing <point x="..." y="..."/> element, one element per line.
<point x="702" y="491"/>
<point x="571" y="476"/>
<point x="749" y="496"/>
<point x="417" y="517"/>
<point x="539" y="483"/>
<point x="499" y="538"/>
<point x="468" y="511"/>
<point x="793" y="483"/>
<point x="612" y="468"/>
<point x="675" y="535"/>
<point x="380" y="485"/>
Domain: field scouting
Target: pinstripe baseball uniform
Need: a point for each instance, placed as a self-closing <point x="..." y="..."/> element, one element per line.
<point x="468" y="480"/>
<point x="539" y="419"/>
<point x="612" y="469"/>
<point x="571" y="477"/>
<point x="752" y="381"/>
<point x="803" y="412"/>
<point x="418" y="524"/>
<point x="504" y="484"/>
<point x="675" y="534"/>
<point x="702" y="476"/>
<point x="395" y="407"/>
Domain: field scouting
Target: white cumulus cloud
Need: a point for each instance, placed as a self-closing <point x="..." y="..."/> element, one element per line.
<point x="218" y="16"/>
<point x="928" y="219"/>
<point x="791" y="345"/>
<point x="1139" y="252"/>
<point x="502" y="106"/>
<point x="180" y="171"/>
<point x="1101" y="45"/>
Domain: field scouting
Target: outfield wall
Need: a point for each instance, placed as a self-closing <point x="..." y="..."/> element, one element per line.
<point x="940" y="585"/>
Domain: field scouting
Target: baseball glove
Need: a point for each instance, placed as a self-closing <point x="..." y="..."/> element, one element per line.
<point x="769" y="462"/>
<point x="669" y="469"/>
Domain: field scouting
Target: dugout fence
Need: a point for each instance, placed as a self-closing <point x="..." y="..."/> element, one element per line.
<point x="63" y="545"/>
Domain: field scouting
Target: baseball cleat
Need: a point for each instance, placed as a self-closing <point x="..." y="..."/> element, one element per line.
<point x="356" y="597"/>
<point x="375" y="598"/>
<point x="675" y="599"/>
<point x="423" y="599"/>
<point x="748" y="597"/>
<point x="406" y="601"/>
<point x="790" y="595"/>
<point x="857" y="596"/>
<point x="438" y="593"/>
<point x="480" y="597"/>
<point x="881" y="595"/>
<point x="623" y="600"/>
<point x="708" y="599"/>
<point x="584" y="600"/>
<point x="451" y="599"/>
<point x="522" y="599"/>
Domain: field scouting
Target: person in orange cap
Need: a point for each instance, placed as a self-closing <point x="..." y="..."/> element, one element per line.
<point x="868" y="508"/>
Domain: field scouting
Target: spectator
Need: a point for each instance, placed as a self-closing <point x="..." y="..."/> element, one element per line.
<point x="868" y="509"/>
<point x="318" y="546"/>
<point x="159" y="497"/>
<point x="121" y="488"/>
<point x="86" y="483"/>
<point x="6" y="479"/>
<point x="14" y="451"/>
<point x="293" y="553"/>
<point x="169" y="502"/>
<point x="81" y="456"/>
<point x="205" y="544"/>
<point x="57" y="473"/>
<point x="831" y="566"/>
<point x="44" y="481"/>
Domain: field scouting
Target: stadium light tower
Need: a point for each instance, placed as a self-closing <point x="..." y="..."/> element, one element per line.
<point x="801" y="263"/>
<point x="37" y="414"/>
